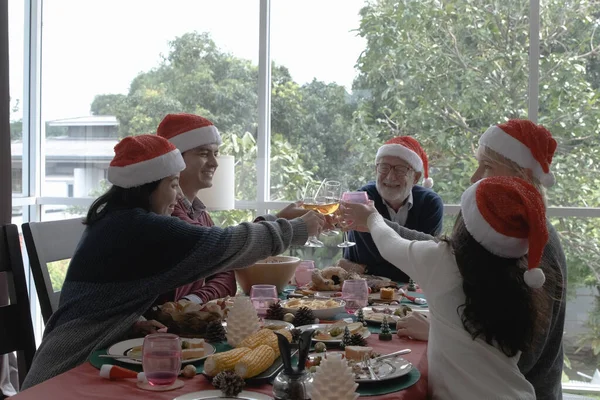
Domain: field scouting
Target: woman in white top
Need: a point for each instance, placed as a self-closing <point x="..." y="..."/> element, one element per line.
<point x="481" y="287"/>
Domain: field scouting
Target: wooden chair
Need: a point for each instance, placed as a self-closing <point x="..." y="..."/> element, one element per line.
<point x="48" y="242"/>
<point x="16" y="329"/>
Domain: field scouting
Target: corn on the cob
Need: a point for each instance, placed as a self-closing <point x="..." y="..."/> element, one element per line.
<point x="224" y="361"/>
<point x="263" y="336"/>
<point x="255" y="362"/>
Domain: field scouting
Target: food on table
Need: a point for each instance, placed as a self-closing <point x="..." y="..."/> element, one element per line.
<point x="265" y="337"/>
<point x="135" y="352"/>
<point x="225" y="361"/>
<point x="336" y="331"/>
<point x="289" y="317"/>
<point x="387" y="294"/>
<point x="403" y="311"/>
<point x="255" y="362"/>
<point x="189" y="371"/>
<point x="330" y="278"/>
<point x="186" y="318"/>
<point x="320" y="347"/>
<point x="357" y="353"/>
<point x="304" y="316"/>
<point x="188" y="354"/>
<point x="312" y="304"/>
<point x="186" y="344"/>
<point x="229" y="383"/>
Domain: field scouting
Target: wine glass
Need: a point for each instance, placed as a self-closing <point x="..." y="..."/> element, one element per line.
<point x="351" y="197"/>
<point x="332" y="191"/>
<point x="262" y="297"/>
<point x="161" y="358"/>
<point x="355" y="293"/>
<point x="312" y="199"/>
<point x="303" y="272"/>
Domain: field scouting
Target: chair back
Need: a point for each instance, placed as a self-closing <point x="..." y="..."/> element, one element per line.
<point x="49" y="242"/>
<point x="16" y="329"/>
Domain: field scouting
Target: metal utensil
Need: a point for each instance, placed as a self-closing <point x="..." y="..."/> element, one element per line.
<point x="367" y="364"/>
<point x="394" y="354"/>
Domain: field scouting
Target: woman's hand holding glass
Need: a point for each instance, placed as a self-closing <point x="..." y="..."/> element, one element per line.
<point x="314" y="222"/>
<point x="354" y="216"/>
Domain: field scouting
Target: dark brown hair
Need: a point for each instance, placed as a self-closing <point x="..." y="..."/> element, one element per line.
<point x="120" y="198"/>
<point x="499" y="306"/>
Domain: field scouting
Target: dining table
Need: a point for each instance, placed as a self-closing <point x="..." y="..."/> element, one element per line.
<point x="84" y="381"/>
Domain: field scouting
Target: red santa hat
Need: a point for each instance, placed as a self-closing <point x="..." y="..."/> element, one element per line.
<point x="143" y="159"/>
<point x="506" y="215"/>
<point x="527" y="144"/>
<point x="187" y="131"/>
<point x="408" y="149"/>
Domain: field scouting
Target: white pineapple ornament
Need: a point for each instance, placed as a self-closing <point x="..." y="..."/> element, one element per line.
<point x="242" y="320"/>
<point x="334" y="380"/>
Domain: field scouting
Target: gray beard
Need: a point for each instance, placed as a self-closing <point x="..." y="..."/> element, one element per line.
<point x="393" y="195"/>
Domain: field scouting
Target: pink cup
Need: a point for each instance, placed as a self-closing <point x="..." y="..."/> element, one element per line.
<point x="303" y="273"/>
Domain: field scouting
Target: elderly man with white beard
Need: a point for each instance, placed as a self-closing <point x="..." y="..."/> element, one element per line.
<point x="400" y="163"/>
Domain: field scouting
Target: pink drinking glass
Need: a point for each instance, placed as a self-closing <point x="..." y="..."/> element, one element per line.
<point x="161" y="358"/>
<point x="303" y="272"/>
<point x="352" y="197"/>
<point x="355" y="293"/>
<point x="262" y="297"/>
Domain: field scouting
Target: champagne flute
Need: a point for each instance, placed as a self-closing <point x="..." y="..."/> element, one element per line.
<point x="351" y="197"/>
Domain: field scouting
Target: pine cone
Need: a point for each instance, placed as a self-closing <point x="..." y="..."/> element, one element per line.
<point x="228" y="382"/>
<point x="357" y="340"/>
<point x="304" y="316"/>
<point x="215" y="332"/>
<point x="275" y="311"/>
<point x="296" y="335"/>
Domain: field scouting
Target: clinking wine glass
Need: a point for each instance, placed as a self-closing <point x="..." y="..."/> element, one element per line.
<point x="316" y="197"/>
<point x="332" y="193"/>
<point x="351" y="197"/>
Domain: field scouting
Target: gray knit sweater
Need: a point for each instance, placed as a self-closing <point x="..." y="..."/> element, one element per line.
<point x="543" y="366"/>
<point x="125" y="260"/>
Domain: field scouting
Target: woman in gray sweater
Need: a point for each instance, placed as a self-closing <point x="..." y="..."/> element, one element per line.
<point x="132" y="251"/>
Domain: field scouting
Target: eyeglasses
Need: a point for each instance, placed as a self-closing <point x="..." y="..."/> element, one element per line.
<point x="399" y="170"/>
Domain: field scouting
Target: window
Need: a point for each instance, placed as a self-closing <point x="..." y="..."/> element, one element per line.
<point x="183" y="64"/>
<point x="16" y="45"/>
<point x="313" y="101"/>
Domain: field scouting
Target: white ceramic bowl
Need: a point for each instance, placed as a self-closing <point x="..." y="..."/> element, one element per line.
<point x="276" y="270"/>
<point x="321" y="313"/>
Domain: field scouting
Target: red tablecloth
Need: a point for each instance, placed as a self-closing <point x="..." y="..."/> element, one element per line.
<point x="84" y="382"/>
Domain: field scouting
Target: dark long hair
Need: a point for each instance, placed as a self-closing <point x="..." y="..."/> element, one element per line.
<point x="119" y="198"/>
<point x="499" y="307"/>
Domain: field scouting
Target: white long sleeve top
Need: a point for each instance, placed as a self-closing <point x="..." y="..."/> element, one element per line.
<point x="459" y="367"/>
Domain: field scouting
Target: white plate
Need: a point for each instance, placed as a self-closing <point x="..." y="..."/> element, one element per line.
<point x="377" y="317"/>
<point x="123" y="348"/>
<point x="364" y="332"/>
<point x="217" y="395"/>
<point x="321" y="313"/>
<point x="385" y="369"/>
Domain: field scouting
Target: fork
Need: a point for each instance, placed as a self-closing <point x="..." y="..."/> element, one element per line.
<point x="367" y="364"/>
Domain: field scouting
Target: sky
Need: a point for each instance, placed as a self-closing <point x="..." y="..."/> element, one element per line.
<point x="95" y="47"/>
